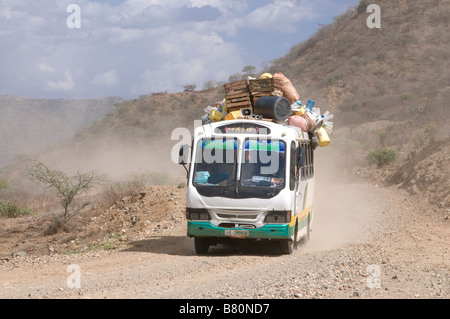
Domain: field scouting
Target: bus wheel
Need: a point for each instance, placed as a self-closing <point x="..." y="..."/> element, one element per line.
<point x="286" y="246"/>
<point x="201" y="245"/>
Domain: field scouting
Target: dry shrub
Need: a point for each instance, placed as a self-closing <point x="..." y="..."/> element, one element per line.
<point x="57" y="224"/>
<point x="136" y="183"/>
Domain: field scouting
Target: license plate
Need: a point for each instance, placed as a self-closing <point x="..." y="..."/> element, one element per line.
<point x="237" y="233"/>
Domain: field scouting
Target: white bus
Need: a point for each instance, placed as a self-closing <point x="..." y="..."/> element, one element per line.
<point x="249" y="179"/>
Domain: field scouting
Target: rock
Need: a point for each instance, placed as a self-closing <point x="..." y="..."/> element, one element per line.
<point x="19" y="254"/>
<point x="182" y="185"/>
<point x="126" y="199"/>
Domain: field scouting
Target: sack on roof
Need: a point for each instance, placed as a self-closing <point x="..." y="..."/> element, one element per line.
<point x="286" y="87"/>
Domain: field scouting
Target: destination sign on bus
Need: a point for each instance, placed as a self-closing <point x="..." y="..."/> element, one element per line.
<point x="242" y="128"/>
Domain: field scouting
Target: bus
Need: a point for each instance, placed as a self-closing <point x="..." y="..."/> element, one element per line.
<point x="249" y="180"/>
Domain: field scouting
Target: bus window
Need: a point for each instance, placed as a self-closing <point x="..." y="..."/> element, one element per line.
<point x="263" y="164"/>
<point x="215" y="162"/>
<point x="292" y="168"/>
<point x="307" y="171"/>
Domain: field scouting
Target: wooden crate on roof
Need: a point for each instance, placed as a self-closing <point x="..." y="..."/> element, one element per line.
<point x="238" y="100"/>
<point x="263" y="85"/>
<point x="236" y="87"/>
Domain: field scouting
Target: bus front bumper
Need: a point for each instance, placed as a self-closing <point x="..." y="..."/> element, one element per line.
<point x="269" y="231"/>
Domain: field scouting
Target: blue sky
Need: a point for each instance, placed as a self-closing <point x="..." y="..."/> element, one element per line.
<point x="132" y="47"/>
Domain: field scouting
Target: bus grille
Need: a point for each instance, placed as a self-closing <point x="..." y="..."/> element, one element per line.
<point x="236" y="214"/>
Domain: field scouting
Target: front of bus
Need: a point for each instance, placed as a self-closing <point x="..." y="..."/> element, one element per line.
<point x="239" y="182"/>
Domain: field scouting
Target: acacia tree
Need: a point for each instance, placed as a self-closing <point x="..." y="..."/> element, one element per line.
<point x="189" y="87"/>
<point x="65" y="187"/>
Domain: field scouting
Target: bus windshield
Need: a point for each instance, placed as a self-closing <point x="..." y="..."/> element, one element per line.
<point x="215" y="162"/>
<point x="263" y="164"/>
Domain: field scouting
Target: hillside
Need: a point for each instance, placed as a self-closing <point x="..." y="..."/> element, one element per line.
<point x="29" y="126"/>
<point x="387" y="87"/>
<point x="394" y="73"/>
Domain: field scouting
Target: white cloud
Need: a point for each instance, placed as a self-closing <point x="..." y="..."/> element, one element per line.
<point x="109" y="78"/>
<point x="154" y="45"/>
<point x="123" y="35"/>
<point x="280" y="15"/>
<point x="224" y="6"/>
<point x="65" y="85"/>
<point x="45" y="67"/>
<point x="191" y="58"/>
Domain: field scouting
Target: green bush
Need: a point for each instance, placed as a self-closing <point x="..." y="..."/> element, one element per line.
<point x="3" y="183"/>
<point x="405" y="96"/>
<point x="382" y="157"/>
<point x="362" y="6"/>
<point x="9" y="210"/>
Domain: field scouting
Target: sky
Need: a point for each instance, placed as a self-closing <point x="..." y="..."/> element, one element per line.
<point x="78" y="49"/>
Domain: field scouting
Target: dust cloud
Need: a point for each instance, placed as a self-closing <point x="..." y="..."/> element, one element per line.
<point x="344" y="209"/>
<point x="118" y="159"/>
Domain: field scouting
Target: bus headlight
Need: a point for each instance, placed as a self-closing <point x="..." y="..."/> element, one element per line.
<point x="278" y="217"/>
<point x="197" y="214"/>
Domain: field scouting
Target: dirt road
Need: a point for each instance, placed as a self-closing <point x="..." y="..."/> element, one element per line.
<point x="367" y="242"/>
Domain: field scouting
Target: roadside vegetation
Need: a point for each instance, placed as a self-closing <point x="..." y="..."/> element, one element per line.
<point x="382" y="157"/>
<point x="10" y="210"/>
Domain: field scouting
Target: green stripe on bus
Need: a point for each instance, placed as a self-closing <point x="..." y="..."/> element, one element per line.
<point x="206" y="229"/>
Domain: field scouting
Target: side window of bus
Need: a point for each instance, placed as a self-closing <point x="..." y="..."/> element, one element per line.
<point x="307" y="171"/>
<point x="293" y="164"/>
<point x="303" y="169"/>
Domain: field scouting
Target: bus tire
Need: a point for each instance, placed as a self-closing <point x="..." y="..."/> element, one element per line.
<point x="201" y="245"/>
<point x="286" y="246"/>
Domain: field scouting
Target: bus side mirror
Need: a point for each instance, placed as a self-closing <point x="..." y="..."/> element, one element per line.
<point x="301" y="156"/>
<point x="183" y="154"/>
